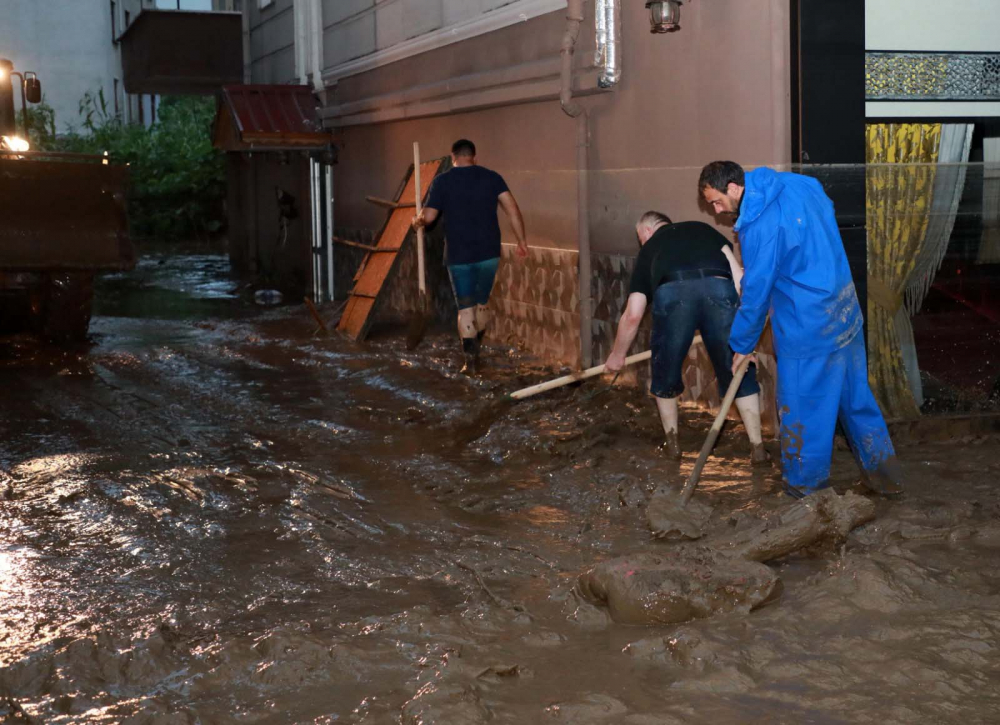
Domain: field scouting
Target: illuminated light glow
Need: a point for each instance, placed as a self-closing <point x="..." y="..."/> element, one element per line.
<point x="15" y="143"/>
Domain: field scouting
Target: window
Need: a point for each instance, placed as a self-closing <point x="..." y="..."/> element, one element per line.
<point x="127" y="18"/>
<point x="264" y="3"/>
<point x="114" y="21"/>
<point x="118" y="109"/>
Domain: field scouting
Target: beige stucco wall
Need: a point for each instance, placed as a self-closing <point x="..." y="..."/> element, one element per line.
<point x="718" y="88"/>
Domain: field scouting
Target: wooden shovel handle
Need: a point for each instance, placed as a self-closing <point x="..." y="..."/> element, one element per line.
<point x="418" y="193"/>
<point x="713" y="434"/>
<point x="574" y="377"/>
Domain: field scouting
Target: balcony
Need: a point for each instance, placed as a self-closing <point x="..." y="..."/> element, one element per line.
<point x="182" y="52"/>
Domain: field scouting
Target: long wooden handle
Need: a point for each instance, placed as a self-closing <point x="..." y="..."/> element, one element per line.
<point x="574" y="377"/>
<point x="418" y="193"/>
<point x="713" y="434"/>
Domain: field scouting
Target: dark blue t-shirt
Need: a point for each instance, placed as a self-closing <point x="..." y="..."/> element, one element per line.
<point x="467" y="196"/>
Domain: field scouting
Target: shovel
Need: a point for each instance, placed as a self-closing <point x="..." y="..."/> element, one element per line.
<point x="418" y="322"/>
<point x="672" y="517"/>
<point x="575" y="377"/>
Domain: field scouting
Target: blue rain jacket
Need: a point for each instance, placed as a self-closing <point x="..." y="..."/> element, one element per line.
<point x="795" y="266"/>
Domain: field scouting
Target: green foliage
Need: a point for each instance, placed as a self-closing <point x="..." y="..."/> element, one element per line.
<point x="178" y="179"/>
<point x="40" y="121"/>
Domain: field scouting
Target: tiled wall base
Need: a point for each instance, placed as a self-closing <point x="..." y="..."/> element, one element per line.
<point x="536" y="303"/>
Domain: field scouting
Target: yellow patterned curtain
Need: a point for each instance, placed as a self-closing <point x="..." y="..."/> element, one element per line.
<point x="899" y="183"/>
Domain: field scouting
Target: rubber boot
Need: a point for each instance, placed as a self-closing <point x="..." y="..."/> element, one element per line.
<point x="885" y="479"/>
<point x="759" y="457"/>
<point x="470" y="348"/>
<point x="671" y="447"/>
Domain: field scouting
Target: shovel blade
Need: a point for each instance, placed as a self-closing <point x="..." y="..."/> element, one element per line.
<point x="669" y="518"/>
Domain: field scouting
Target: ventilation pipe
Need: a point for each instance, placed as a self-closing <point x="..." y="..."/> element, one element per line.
<point x="607" y="55"/>
<point x="574" y="17"/>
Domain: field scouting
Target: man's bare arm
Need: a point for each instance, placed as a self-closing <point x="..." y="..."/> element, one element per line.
<point x="513" y="212"/>
<point x="628" y="326"/>
<point x="426" y="217"/>
<point x="734" y="266"/>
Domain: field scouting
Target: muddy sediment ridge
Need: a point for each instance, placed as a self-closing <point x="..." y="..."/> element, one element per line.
<point x="228" y="518"/>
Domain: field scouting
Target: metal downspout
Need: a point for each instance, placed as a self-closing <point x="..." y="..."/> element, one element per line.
<point x="247" y="59"/>
<point x="574" y="18"/>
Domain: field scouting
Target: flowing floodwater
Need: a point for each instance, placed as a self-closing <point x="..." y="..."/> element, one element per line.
<point x="213" y="514"/>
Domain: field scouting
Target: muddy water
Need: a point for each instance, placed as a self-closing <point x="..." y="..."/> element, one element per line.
<point x="212" y="515"/>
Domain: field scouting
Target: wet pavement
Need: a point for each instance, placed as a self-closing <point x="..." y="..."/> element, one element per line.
<point x="214" y="515"/>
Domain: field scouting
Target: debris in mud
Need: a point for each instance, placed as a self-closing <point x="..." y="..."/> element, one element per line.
<point x="668" y="518"/>
<point x="723" y="575"/>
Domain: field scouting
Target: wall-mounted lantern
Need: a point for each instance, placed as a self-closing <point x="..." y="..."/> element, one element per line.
<point x="664" y="15"/>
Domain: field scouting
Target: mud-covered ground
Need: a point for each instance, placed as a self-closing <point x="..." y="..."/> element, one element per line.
<point x="212" y="515"/>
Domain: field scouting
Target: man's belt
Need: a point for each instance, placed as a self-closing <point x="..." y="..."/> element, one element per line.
<point x="683" y="275"/>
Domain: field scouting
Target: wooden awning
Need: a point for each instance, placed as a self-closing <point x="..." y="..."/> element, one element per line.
<point x="269" y="118"/>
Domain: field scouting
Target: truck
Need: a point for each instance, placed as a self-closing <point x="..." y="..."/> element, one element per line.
<point x="63" y="219"/>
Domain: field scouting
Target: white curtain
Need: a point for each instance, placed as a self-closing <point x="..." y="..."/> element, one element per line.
<point x="989" y="245"/>
<point x="949" y="182"/>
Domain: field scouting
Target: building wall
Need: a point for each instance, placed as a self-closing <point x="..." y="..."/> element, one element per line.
<point x="73" y="48"/>
<point x="681" y="103"/>
<point x="272" y="41"/>
<point x="69" y="45"/>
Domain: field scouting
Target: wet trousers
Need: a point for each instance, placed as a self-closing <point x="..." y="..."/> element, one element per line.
<point x="813" y="393"/>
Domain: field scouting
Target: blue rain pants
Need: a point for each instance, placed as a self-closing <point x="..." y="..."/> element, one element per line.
<point x="813" y="392"/>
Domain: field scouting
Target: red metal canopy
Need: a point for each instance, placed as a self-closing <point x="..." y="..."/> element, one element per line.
<point x="269" y="116"/>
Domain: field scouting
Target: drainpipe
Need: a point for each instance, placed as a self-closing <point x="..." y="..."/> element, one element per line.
<point x="247" y="60"/>
<point x="299" y="18"/>
<point x="316" y="44"/>
<point x="574" y="17"/>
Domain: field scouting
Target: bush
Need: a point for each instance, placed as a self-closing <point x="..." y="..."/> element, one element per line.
<point x="178" y="178"/>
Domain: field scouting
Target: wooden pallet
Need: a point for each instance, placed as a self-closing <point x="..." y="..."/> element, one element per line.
<point x="380" y="263"/>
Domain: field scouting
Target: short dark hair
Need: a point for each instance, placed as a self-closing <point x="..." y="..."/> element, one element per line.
<point x="463" y="147"/>
<point x="651" y="218"/>
<point x="719" y="175"/>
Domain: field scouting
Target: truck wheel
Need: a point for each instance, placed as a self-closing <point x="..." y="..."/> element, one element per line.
<point x="66" y="305"/>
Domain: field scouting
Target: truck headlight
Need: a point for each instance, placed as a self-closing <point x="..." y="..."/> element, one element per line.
<point x="15" y="143"/>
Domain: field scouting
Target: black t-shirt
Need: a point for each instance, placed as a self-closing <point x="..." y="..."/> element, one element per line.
<point x="680" y="247"/>
<point x="467" y="196"/>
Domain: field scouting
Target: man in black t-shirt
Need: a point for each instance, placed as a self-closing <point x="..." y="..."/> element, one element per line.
<point x="689" y="272"/>
<point x="467" y="195"/>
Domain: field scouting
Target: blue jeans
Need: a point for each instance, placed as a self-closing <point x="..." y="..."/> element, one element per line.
<point x="813" y="393"/>
<point x="473" y="282"/>
<point x="680" y="308"/>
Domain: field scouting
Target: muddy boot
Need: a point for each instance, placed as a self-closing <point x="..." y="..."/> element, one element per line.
<point x="470" y="347"/>
<point x="671" y="447"/>
<point x="759" y="457"/>
<point x="884" y="480"/>
<point x="800" y="492"/>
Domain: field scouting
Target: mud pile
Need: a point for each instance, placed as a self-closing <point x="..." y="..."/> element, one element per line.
<point x="686" y="581"/>
<point x="229" y="519"/>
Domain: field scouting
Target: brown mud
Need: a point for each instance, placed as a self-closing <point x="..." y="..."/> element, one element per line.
<point x="670" y="585"/>
<point x="211" y="515"/>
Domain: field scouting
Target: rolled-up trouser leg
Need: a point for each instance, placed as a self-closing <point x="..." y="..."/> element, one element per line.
<point x="859" y="412"/>
<point x="482" y="320"/>
<point x="809" y="394"/>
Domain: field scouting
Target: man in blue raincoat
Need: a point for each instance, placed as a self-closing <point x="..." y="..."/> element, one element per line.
<point x="795" y="267"/>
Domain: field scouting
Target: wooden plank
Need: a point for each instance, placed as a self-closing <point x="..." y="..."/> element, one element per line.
<point x="378" y="268"/>
<point x="390" y="204"/>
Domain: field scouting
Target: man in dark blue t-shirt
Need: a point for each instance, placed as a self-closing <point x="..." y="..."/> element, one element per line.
<point x="467" y="195"/>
